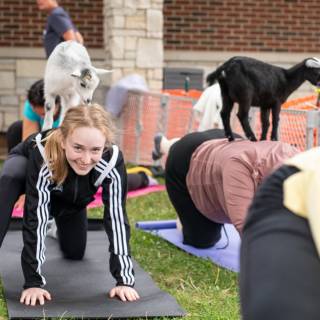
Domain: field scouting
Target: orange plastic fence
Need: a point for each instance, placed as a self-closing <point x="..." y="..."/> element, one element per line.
<point x="303" y="103"/>
<point x="194" y="94"/>
<point x="139" y="123"/>
<point x="171" y="113"/>
<point x="180" y="112"/>
<point x="146" y="114"/>
<point x="294" y="128"/>
<point x="293" y="122"/>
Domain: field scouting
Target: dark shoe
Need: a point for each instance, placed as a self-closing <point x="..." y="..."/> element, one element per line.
<point x="156" y="153"/>
<point x="157" y="172"/>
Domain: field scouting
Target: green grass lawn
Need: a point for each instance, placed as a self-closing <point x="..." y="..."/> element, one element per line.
<point x="204" y="290"/>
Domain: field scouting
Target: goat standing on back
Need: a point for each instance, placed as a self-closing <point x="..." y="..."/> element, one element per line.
<point x="251" y="82"/>
<point x="70" y="75"/>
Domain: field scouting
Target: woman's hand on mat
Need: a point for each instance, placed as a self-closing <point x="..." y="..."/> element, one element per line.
<point x="20" y="203"/>
<point x="124" y="293"/>
<point x="30" y="296"/>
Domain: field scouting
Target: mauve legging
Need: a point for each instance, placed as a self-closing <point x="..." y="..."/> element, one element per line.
<point x="198" y="230"/>
<point x="280" y="267"/>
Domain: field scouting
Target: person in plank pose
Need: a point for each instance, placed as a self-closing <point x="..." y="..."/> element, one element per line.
<point x="65" y="168"/>
<point x="211" y="181"/>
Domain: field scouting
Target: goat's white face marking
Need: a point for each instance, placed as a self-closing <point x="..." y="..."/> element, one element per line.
<point x="86" y="83"/>
<point x="313" y="63"/>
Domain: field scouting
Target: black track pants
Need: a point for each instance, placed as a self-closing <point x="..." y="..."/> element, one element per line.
<point x="12" y="185"/>
<point x="72" y="234"/>
<point x="14" y="134"/>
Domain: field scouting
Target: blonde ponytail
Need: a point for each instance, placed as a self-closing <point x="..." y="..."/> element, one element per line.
<point x="56" y="157"/>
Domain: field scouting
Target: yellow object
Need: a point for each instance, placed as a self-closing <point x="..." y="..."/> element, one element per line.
<point x="302" y="190"/>
<point x="139" y="169"/>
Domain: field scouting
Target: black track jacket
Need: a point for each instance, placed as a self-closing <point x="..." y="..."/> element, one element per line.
<point x="42" y="197"/>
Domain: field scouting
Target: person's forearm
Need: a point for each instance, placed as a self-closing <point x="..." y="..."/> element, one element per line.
<point x="73" y="35"/>
<point x="79" y="37"/>
<point x="69" y="35"/>
<point x="29" y="127"/>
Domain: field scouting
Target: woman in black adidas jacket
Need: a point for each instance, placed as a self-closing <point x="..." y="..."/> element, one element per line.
<point x="66" y="166"/>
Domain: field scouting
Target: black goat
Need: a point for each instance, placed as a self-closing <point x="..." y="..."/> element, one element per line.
<point x="251" y="82"/>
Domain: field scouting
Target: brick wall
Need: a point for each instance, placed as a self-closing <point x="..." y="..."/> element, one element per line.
<point x="238" y="25"/>
<point x="22" y="24"/>
<point x="210" y="25"/>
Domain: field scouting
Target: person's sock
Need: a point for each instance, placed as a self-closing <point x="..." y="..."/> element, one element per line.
<point x="152" y="181"/>
<point x="179" y="224"/>
<point x="166" y="144"/>
<point x="52" y="230"/>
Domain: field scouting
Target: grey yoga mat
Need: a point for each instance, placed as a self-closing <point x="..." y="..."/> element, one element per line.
<point x="79" y="288"/>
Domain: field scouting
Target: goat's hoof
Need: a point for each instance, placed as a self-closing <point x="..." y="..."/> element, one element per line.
<point x="253" y="139"/>
<point x="230" y="139"/>
<point x="274" y="139"/>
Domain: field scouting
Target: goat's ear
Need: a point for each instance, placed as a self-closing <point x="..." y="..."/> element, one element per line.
<point x="102" y="71"/>
<point x="313" y="63"/>
<point x="76" y="74"/>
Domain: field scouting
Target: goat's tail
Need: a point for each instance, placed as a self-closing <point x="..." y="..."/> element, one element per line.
<point x="214" y="76"/>
<point x="220" y="72"/>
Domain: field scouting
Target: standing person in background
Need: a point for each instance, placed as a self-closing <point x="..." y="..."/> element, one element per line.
<point x="59" y="25"/>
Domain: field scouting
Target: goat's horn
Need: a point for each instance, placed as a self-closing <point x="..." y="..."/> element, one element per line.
<point x="313" y="63"/>
<point x="76" y="73"/>
<point x="102" y="71"/>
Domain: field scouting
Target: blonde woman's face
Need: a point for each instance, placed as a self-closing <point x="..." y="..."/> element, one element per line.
<point x="83" y="148"/>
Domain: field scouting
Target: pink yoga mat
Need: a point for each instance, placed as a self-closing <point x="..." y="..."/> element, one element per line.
<point x="97" y="202"/>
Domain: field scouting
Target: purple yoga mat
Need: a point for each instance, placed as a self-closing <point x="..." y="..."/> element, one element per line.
<point x="225" y="253"/>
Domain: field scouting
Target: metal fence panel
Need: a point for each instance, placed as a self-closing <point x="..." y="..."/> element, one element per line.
<point x="145" y="114"/>
<point x="293" y="127"/>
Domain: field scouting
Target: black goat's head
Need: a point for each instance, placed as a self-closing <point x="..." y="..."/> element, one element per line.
<point x="313" y="70"/>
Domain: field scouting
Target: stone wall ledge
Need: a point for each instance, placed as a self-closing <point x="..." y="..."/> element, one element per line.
<point x="38" y="53"/>
<point x="212" y="56"/>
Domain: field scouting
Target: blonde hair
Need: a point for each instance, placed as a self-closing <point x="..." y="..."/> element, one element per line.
<point x="93" y="116"/>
